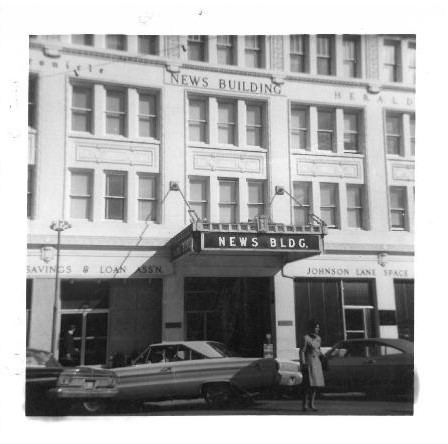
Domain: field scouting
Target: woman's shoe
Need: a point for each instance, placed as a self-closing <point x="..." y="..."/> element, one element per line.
<point x="304" y="408"/>
<point x="314" y="409"/>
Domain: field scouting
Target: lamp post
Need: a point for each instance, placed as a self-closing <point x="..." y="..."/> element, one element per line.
<point x="59" y="227"/>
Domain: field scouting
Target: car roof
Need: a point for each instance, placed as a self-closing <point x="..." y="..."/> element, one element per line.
<point x="401" y="344"/>
<point x="183" y="343"/>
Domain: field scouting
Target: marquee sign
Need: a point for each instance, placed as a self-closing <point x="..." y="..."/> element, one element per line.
<point x="244" y="238"/>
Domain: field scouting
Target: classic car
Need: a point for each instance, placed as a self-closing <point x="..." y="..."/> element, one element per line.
<point x="52" y="389"/>
<point x="192" y="369"/>
<point x="373" y="366"/>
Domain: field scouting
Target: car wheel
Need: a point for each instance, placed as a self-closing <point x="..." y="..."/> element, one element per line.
<point x="93" y="407"/>
<point x="216" y="395"/>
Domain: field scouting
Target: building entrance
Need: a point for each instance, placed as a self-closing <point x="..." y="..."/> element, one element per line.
<point x="235" y="311"/>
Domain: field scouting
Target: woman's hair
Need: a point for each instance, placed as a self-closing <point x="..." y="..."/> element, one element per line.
<point x="312" y="323"/>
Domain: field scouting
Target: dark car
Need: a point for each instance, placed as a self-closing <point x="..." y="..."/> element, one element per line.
<point x="372" y="366"/>
<point x="52" y="389"/>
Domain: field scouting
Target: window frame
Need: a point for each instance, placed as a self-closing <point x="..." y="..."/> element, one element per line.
<point x="230" y="126"/>
<point x="122" y="42"/>
<point x="412" y="133"/>
<point x="154" y="199"/>
<point x="153" y="43"/>
<point x="87" y="197"/>
<point x="148" y="117"/>
<point x="307" y="206"/>
<point x="232" y="204"/>
<point x="203" y="124"/>
<point x="257" y="127"/>
<point x="395" y="136"/>
<point x="329" y="57"/>
<point x="88" y="112"/>
<point x="87" y="39"/>
<point x="199" y="42"/>
<point x="356" y="133"/>
<point x="258" y="50"/>
<point x="229" y="46"/>
<point x="395" y="64"/>
<point x="30" y="191"/>
<point x="204" y="202"/>
<point x="333" y="207"/>
<point x="412" y="63"/>
<point x="301" y="56"/>
<point x="32" y="104"/>
<point x="331" y="132"/>
<point x="300" y="131"/>
<point x="258" y="205"/>
<point x="355" y="61"/>
<point x="393" y="210"/>
<point x="359" y="209"/>
<point x="108" y="198"/>
<point x="121" y="114"/>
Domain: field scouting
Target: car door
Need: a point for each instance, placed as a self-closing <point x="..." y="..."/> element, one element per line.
<point x="152" y="380"/>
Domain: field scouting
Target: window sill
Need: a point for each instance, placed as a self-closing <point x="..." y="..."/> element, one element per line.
<point x="327" y="153"/>
<point x="254" y="149"/>
<point x="141" y="140"/>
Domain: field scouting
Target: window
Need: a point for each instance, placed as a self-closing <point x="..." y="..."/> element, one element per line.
<point x="391" y="64"/>
<point x="196" y="47"/>
<point x="198" y="197"/>
<point x="116" y="41"/>
<point x="148" y="44"/>
<point x="147" y="197"/>
<point x="197" y="120"/>
<point x="393" y="134"/>
<point x="82" y="108"/>
<point x="225" y="45"/>
<point x="254" y="51"/>
<point x="115" y="195"/>
<point x="255" y="201"/>
<point x="82" y="39"/>
<point x="325" y="132"/>
<point x="254" y="125"/>
<point x="354" y="206"/>
<point x="32" y="102"/>
<point x="412" y="61"/>
<point x="328" y="204"/>
<point x="226" y="122"/>
<point x="351" y="136"/>
<point x="147" y="115"/>
<point x="115" y="112"/>
<point x="302" y="196"/>
<point x="412" y="131"/>
<point x="228" y="201"/>
<point x="404" y="302"/>
<point x="351" y="51"/>
<point x="398" y="208"/>
<point x="29" y="191"/>
<point x="298" y="45"/>
<point x="299" y="129"/>
<point x="324" y="55"/>
<point x="81" y="194"/>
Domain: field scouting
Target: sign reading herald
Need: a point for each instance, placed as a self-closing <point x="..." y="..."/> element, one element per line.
<point x="259" y="241"/>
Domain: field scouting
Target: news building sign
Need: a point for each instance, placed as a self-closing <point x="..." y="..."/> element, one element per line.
<point x="261" y="242"/>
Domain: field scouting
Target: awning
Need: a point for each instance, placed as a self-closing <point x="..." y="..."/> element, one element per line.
<point x="290" y="241"/>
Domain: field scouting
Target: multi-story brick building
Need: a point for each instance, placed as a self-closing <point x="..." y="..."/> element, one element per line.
<point x="134" y="138"/>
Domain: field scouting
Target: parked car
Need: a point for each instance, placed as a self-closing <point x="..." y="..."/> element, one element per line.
<point x="192" y="369"/>
<point x="372" y="366"/>
<point x="52" y="389"/>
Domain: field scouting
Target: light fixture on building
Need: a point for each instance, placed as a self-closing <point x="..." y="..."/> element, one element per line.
<point x="174" y="186"/>
<point x="58" y="226"/>
<point x="279" y="190"/>
<point x="382" y="259"/>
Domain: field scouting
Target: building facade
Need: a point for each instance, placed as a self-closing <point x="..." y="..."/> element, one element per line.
<point x="134" y="140"/>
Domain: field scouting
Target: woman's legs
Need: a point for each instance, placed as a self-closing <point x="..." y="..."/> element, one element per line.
<point x="304" y="397"/>
<point x="312" y="398"/>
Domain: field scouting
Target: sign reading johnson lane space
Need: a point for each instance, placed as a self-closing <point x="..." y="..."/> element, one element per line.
<point x="260" y="241"/>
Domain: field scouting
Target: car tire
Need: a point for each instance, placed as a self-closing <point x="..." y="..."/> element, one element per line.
<point x="216" y="396"/>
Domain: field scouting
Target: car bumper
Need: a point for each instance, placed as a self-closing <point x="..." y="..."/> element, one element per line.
<point x="69" y="393"/>
<point x="290" y="379"/>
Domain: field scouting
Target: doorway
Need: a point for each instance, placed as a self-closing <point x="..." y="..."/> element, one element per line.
<point x="234" y="311"/>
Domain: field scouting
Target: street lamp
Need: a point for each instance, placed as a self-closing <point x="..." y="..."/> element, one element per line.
<point x="59" y="227"/>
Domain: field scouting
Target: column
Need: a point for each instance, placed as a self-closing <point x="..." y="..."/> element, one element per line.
<point x="214" y="199"/>
<point x="41" y="321"/>
<point x="99" y="110"/>
<point x="386" y="301"/>
<point x="132" y="44"/>
<point x="243" y="198"/>
<point x="312" y="55"/>
<point x="339" y="55"/>
<point x="212" y="118"/>
<point x="285" y="317"/>
<point x="173" y="328"/>
<point x="313" y="127"/>
<point x="339" y="123"/>
<point x="241" y="124"/>
<point x="132" y="113"/>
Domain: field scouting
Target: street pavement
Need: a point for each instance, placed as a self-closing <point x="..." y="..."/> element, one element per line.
<point x="327" y="405"/>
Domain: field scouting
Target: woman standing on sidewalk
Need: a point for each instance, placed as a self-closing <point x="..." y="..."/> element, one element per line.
<point x="310" y="355"/>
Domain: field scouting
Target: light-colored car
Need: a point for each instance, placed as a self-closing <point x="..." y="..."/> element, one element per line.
<point x="52" y="389"/>
<point x="193" y="369"/>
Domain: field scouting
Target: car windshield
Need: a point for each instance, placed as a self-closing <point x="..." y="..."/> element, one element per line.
<point x="223" y="351"/>
<point x="38" y="358"/>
